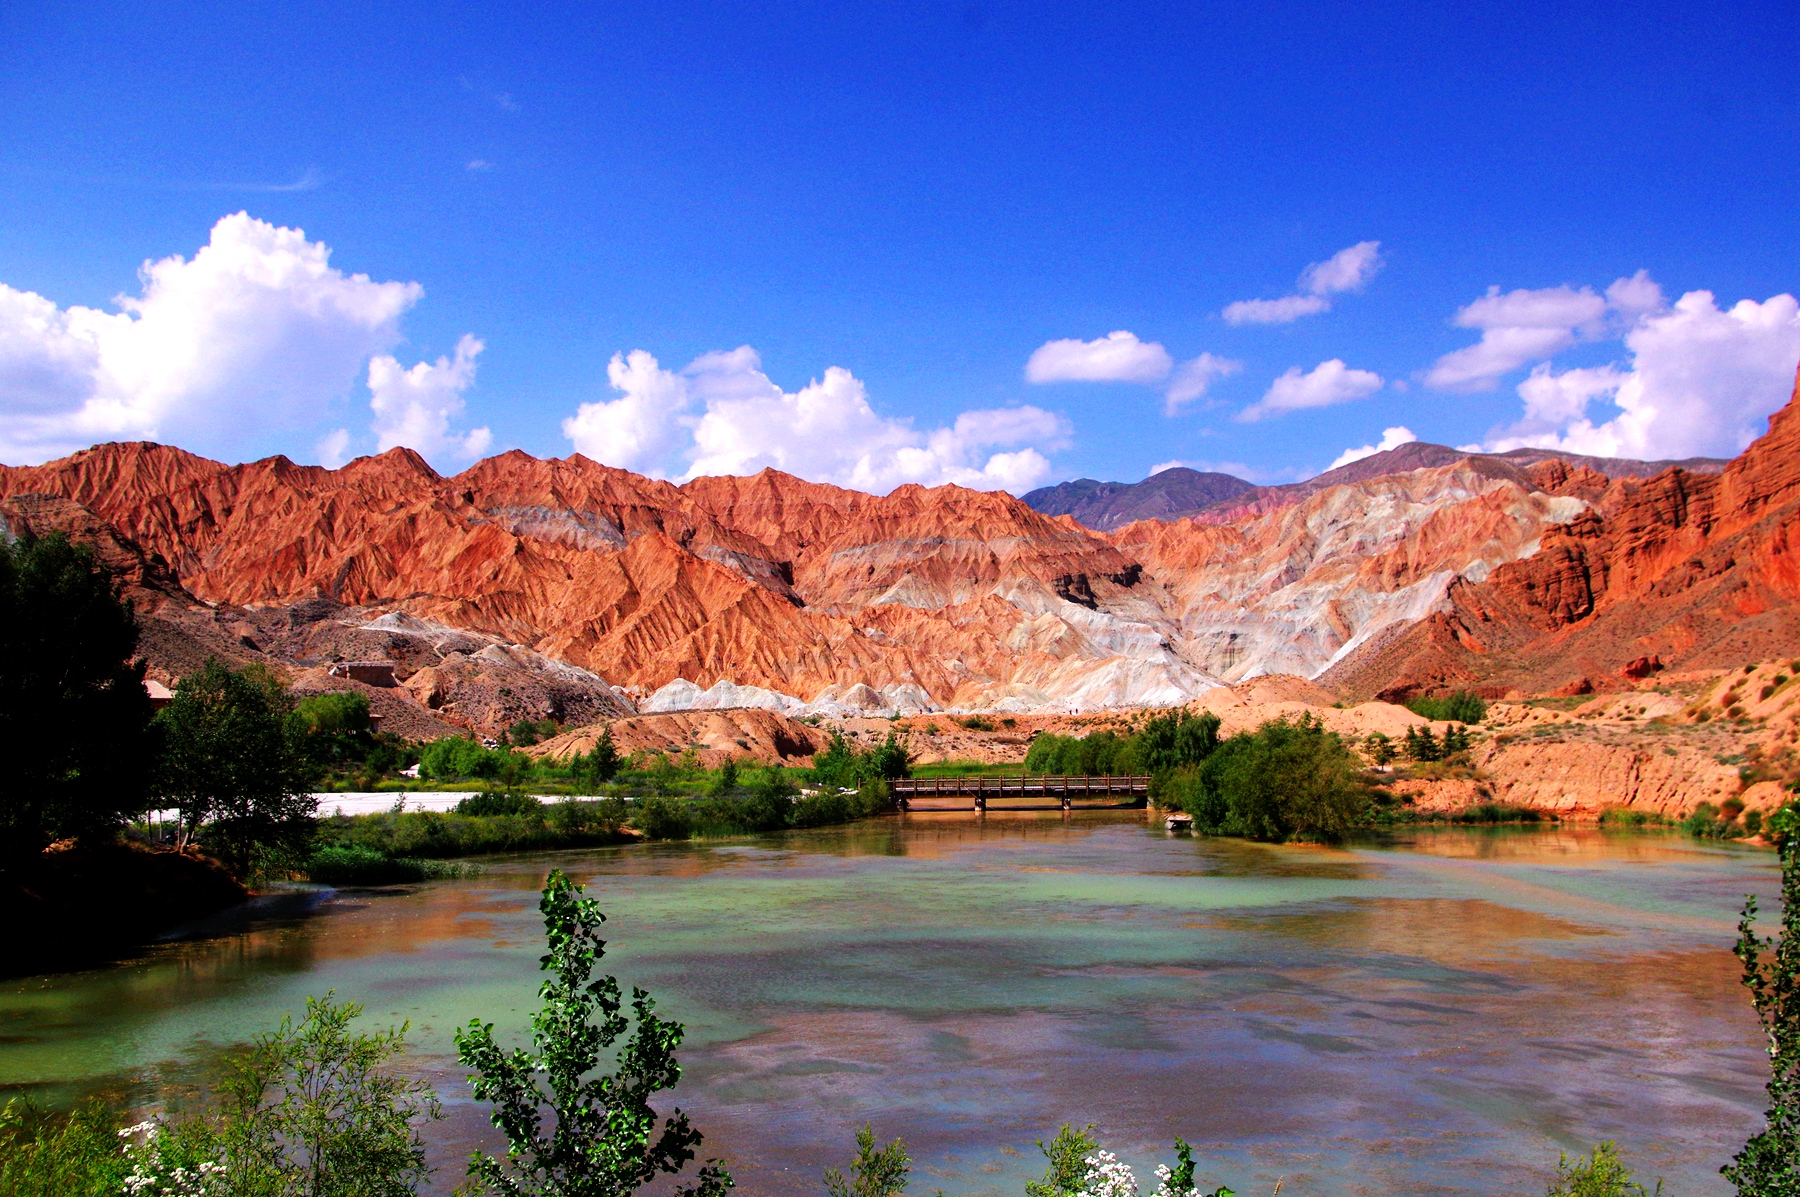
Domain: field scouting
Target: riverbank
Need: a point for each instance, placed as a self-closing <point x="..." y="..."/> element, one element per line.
<point x="74" y="906"/>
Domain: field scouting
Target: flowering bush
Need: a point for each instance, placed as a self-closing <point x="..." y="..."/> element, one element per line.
<point x="168" y="1163"/>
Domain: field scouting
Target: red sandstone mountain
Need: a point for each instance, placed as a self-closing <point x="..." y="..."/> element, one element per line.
<point x="1695" y="570"/>
<point x="565" y="587"/>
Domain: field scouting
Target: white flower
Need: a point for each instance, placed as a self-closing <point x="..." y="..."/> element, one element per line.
<point x="1107" y="1177"/>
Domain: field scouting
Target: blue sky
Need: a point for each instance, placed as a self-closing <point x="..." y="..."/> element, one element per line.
<point x="901" y="204"/>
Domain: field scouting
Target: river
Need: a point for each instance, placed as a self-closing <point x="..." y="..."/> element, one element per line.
<point x="1444" y="1010"/>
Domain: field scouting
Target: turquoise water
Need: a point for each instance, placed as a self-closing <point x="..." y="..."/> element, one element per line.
<point x="1443" y="1012"/>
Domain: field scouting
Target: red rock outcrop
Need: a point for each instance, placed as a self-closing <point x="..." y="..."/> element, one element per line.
<point x="1698" y="570"/>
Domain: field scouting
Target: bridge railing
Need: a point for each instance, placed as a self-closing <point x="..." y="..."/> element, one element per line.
<point x="1063" y="791"/>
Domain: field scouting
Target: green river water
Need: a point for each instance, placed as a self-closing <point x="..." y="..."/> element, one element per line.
<point x="1443" y="1011"/>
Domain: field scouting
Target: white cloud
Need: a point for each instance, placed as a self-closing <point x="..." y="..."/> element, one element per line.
<point x="1192" y="379"/>
<point x="1116" y="357"/>
<point x="1328" y="383"/>
<point x="641" y="429"/>
<point x="333" y="449"/>
<point x="1274" y="311"/>
<point x="1700" y="380"/>
<point x="479" y="165"/>
<point x="1347" y="270"/>
<point x="255" y="334"/>
<point x="1391" y="438"/>
<point x="1160" y="466"/>
<point x="414" y="407"/>
<point x="723" y="415"/>
<point x="1524" y="326"/>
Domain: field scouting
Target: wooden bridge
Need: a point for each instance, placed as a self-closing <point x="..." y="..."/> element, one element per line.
<point x="1018" y="793"/>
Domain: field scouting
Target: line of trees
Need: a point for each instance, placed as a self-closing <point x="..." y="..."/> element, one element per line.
<point x="233" y="754"/>
<point x="1288" y="779"/>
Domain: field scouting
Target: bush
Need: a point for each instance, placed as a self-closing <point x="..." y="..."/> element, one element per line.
<point x="353" y="864"/>
<point x="1602" y="1174"/>
<point x="434" y="835"/>
<point x="876" y="1171"/>
<point x="341" y="713"/>
<point x="45" y="1156"/>
<point x="500" y="802"/>
<point x="1166" y="742"/>
<point x="1460" y="707"/>
<point x="1707" y="822"/>
<point x="661" y="817"/>
<point x="455" y="758"/>
<point x="1285" y="780"/>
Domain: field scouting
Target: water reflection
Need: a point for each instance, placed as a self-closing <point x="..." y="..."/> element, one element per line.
<point x="1445" y="1008"/>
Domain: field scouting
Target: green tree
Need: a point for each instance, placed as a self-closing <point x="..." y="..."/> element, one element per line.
<point x="1422" y="746"/>
<point x="727" y="778"/>
<point x="1464" y="706"/>
<point x="73" y="712"/>
<point x="876" y="1171"/>
<point x="892" y="759"/>
<point x="1380" y="748"/>
<point x="604" y="1139"/>
<point x="1769" y="1164"/>
<point x="313" y="1110"/>
<point x="1067" y="1154"/>
<point x="1176" y="739"/>
<point x="343" y="712"/>
<point x="602" y="764"/>
<point x="1285" y="780"/>
<point x="235" y="765"/>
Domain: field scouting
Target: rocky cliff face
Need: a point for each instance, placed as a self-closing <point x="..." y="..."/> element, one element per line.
<point x="1683" y="569"/>
<point x="524" y="587"/>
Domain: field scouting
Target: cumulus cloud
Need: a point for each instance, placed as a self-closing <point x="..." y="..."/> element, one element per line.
<point x="1519" y="327"/>
<point x="723" y="415"/>
<point x="1348" y="269"/>
<point x="414" y="407"/>
<point x="1193" y="378"/>
<point x="1325" y="385"/>
<point x="1699" y="381"/>
<point x="642" y="428"/>
<point x="256" y="334"/>
<point x="1121" y="357"/>
<point x="1116" y="357"/>
<point x="1391" y="438"/>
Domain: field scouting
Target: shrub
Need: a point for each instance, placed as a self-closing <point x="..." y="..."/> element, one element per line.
<point x="500" y="802"/>
<point x="1707" y="822"/>
<point x="44" y="1156"/>
<point x="1067" y="1154"/>
<point x="454" y="758"/>
<point x="1285" y="780"/>
<point x="1602" y="1174"/>
<point x="876" y="1171"/>
<point x="1461" y="707"/>
<point x="603" y="1139"/>
<point x="661" y="817"/>
<point x="1765" y="1166"/>
<point x="342" y="713"/>
<point x="351" y="864"/>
